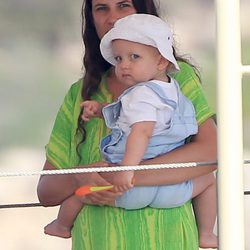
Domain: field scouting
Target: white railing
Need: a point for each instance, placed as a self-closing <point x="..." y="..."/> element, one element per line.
<point x="230" y="135"/>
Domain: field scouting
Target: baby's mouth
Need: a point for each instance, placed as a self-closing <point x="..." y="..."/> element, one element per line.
<point x="126" y="75"/>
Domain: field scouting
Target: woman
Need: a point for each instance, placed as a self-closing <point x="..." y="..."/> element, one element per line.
<point x="103" y="227"/>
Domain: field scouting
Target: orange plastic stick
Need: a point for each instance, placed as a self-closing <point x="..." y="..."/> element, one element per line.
<point x="84" y="190"/>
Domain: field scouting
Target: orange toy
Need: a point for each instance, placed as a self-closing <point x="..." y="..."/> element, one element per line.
<point x="84" y="190"/>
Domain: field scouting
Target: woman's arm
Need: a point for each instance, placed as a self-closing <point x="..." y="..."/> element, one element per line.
<point x="53" y="189"/>
<point x="203" y="147"/>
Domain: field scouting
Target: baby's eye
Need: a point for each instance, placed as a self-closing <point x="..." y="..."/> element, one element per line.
<point x="118" y="59"/>
<point x="134" y="56"/>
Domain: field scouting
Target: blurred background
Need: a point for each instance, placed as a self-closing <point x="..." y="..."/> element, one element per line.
<point x="40" y="57"/>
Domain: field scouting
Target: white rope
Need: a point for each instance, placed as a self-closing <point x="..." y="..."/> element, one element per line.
<point x="105" y="169"/>
<point x="109" y="169"/>
<point x="99" y="169"/>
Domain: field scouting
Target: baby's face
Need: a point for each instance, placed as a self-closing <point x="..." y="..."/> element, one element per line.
<point x="135" y="62"/>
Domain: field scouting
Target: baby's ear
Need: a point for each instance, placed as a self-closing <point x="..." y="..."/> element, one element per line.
<point x="163" y="63"/>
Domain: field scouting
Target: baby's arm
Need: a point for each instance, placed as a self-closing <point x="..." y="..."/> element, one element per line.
<point x="91" y="109"/>
<point x="136" y="147"/>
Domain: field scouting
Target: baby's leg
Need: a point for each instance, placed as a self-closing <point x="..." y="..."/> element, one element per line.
<point x="68" y="211"/>
<point x="204" y="203"/>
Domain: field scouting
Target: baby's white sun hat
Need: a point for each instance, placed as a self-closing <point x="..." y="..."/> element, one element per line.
<point x="141" y="28"/>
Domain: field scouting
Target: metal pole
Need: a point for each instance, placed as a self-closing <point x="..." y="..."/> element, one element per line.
<point x="230" y="142"/>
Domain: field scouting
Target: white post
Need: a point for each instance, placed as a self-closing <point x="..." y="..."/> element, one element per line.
<point x="230" y="142"/>
<point x="245" y="69"/>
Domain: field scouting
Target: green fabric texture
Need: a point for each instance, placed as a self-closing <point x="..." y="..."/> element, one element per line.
<point x="107" y="228"/>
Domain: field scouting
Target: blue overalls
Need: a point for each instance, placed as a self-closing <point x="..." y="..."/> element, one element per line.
<point x="183" y="124"/>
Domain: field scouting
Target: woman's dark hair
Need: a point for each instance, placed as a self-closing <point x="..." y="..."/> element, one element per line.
<point x="93" y="62"/>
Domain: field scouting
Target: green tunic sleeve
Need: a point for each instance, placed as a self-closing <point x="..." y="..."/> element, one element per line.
<point x="60" y="151"/>
<point x="191" y="87"/>
<point x="108" y="228"/>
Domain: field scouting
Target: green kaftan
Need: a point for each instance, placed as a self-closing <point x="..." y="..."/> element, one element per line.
<point x="107" y="228"/>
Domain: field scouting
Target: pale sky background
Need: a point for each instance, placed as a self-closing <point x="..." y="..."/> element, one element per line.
<point x="40" y="57"/>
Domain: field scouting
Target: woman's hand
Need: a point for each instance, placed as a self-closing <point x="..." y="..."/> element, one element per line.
<point x="98" y="179"/>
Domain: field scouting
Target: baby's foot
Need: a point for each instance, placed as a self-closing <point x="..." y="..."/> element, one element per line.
<point x="208" y="241"/>
<point x="55" y="229"/>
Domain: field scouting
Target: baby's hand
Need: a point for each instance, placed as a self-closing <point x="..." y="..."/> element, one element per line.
<point x="91" y="109"/>
<point x="123" y="181"/>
